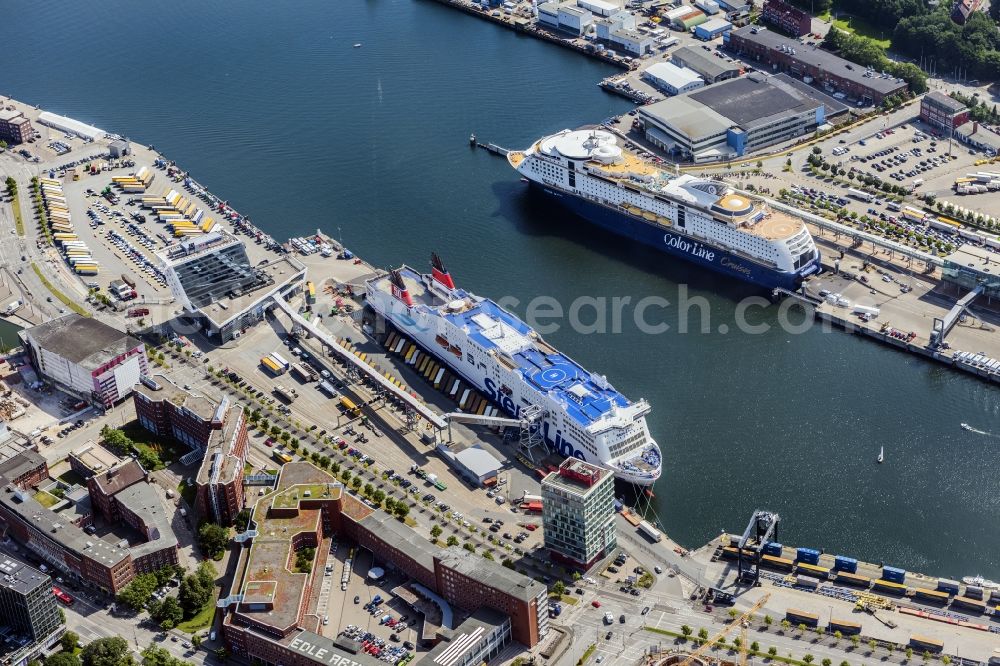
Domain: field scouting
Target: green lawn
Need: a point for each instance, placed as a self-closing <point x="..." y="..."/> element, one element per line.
<point x="203" y="620"/>
<point x="66" y="300"/>
<point x="862" y="28"/>
<point x="18" y="222"/>
<point x="45" y="499"/>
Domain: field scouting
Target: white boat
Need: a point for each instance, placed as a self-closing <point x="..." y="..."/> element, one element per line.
<point x="581" y="414"/>
<point x="966" y="426"/>
<point x="358" y="45"/>
<point x="881" y="454"/>
<point x="979" y="581"/>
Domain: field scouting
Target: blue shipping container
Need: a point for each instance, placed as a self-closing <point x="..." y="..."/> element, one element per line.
<point x="773" y="549"/>
<point x="893" y="574"/>
<point x="848" y="564"/>
<point x="949" y="586"/>
<point x="808" y="555"/>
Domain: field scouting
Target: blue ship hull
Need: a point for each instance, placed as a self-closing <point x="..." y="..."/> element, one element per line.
<point x="696" y="252"/>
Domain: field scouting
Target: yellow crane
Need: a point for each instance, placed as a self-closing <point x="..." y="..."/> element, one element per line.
<point x="742" y="621"/>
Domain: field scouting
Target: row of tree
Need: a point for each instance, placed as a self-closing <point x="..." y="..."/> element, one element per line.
<point x="974" y="47"/>
<point x="122" y="445"/>
<point x="112" y="651"/>
<point x="868" y="53"/>
<point x="979" y="109"/>
<point x="195" y="592"/>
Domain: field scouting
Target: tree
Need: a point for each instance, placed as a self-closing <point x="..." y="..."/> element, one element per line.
<point x="111" y="651"/>
<point x="772" y="651"/>
<point x="402" y="510"/>
<point x="242" y="519"/>
<point x="60" y="659"/>
<point x="368" y="490"/>
<point x="356" y="482"/>
<point x="136" y="594"/>
<point x="785" y="625"/>
<point x="452" y="540"/>
<point x="817" y="150"/>
<point x="558" y="588"/>
<point x="469" y="547"/>
<point x="909" y="651"/>
<point x="487" y="555"/>
<point x="703" y="633"/>
<point x="436" y="531"/>
<point x="155" y="655"/>
<point x="686" y="630"/>
<point x="768" y="620"/>
<point x="196" y="640"/>
<point x="827" y="661"/>
<point x="808" y="658"/>
<point x="168" y="613"/>
<point x="70" y="641"/>
<point x="378" y="496"/>
<point x="213" y="539"/>
<point x="196" y="590"/>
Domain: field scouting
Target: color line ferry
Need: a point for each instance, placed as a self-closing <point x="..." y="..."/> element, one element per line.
<point x="582" y="415"/>
<point x="697" y="219"/>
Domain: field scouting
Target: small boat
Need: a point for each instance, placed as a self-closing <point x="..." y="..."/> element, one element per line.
<point x="472" y="139"/>
<point x="881" y="455"/>
<point x="358" y="45"/>
<point x="979" y="581"/>
<point x="966" y="426"/>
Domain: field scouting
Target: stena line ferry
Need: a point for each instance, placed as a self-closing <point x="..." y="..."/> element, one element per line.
<point x="697" y="219"/>
<point x="582" y="415"/>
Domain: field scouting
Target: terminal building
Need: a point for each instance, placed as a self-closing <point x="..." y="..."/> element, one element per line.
<point x="271" y="616"/>
<point x="813" y="65"/>
<point x="86" y="358"/>
<point x="28" y="611"/>
<point x="578" y="513"/>
<point x="737" y="117"/>
<point x="212" y="278"/>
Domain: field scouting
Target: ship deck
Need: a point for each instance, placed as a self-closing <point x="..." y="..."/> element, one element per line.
<point x="630" y="164"/>
<point x="777" y="225"/>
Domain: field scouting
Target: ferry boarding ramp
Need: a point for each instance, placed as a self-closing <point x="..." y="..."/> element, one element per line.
<point x="366" y="370"/>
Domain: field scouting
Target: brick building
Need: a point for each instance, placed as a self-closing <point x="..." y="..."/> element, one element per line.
<point x="270" y="613"/>
<point x="14" y="127"/>
<point x="25" y="470"/>
<point x="943" y="111"/>
<point x="830" y="71"/>
<point x="787" y="18"/>
<point x="103" y="487"/>
<point x="218" y="429"/>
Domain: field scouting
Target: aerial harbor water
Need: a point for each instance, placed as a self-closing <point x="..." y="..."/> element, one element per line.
<point x="301" y="130"/>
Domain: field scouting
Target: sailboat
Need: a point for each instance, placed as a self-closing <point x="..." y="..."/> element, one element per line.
<point x="881" y="455"/>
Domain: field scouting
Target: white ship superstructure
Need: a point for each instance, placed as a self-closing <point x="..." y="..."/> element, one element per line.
<point x="700" y="219"/>
<point x="582" y="414"/>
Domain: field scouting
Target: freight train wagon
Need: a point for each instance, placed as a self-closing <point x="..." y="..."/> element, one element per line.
<point x="797" y="617"/>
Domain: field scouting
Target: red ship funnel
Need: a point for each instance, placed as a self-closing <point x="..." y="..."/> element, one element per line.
<point x="399" y="289"/>
<point x="440" y="273"/>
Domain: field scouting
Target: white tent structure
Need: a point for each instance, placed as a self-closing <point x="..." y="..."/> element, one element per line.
<point x="70" y="126"/>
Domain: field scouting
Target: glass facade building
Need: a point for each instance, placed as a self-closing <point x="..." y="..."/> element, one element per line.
<point x="578" y="513"/>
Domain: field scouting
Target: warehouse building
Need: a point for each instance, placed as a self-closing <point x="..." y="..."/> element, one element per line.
<point x="70" y="126"/>
<point x="711" y="29"/>
<point x="787" y="18"/>
<point x="672" y="79"/>
<point x="736" y="117"/>
<point x="632" y="41"/>
<point x="616" y="22"/>
<point x="711" y="69"/>
<point x="943" y="111"/>
<point x="86" y="358"/>
<point x="213" y="280"/>
<point x="813" y="65"/>
<point x="565" y="16"/>
<point x="687" y="18"/>
<point x="270" y="613"/>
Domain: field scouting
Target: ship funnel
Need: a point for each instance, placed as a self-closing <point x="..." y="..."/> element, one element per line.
<point x="440" y="273"/>
<point x="399" y="289"/>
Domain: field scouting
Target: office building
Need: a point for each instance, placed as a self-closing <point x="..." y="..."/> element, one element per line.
<point x="28" y="610"/>
<point x="91" y="459"/>
<point x="812" y="64"/>
<point x="787" y="18"/>
<point x="14" y="127"/>
<point x="943" y="111"/>
<point x="737" y="117"/>
<point x="86" y="358"/>
<point x="220" y="478"/>
<point x="672" y="79"/>
<point x="270" y="613"/>
<point x="170" y="411"/>
<point x="578" y="512"/>
<point x="213" y="280"/>
<point x="711" y="69"/>
<point x="104" y="486"/>
<point x="140" y="508"/>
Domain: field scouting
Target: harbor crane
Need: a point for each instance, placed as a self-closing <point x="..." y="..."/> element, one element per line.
<point x="762" y="528"/>
<point x="743" y="621"/>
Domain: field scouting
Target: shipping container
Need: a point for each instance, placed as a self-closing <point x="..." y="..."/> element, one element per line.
<point x="808" y="582"/>
<point x="797" y="617"/>
<point x="327" y="388"/>
<point x="813" y="570"/>
<point x="949" y="586"/>
<point x="922" y="643"/>
<point x="973" y="592"/>
<point x="968" y="604"/>
<point x="845" y="627"/>
<point x="779" y="563"/>
<point x="772" y="548"/>
<point x="807" y="555"/>
<point x="848" y="564"/>
<point x="933" y="596"/>
<point x="268" y="363"/>
<point x="649" y="531"/>
<point x="893" y="574"/>
<point x="889" y="587"/>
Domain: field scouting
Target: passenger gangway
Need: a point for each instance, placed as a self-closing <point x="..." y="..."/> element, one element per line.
<point x="942" y="327"/>
<point x="528" y="425"/>
<point x="363" y="368"/>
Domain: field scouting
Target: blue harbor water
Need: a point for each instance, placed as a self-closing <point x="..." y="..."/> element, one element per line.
<point x="270" y="106"/>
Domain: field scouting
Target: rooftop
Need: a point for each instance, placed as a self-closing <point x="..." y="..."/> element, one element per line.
<point x="820" y="59"/>
<point x="85" y="341"/>
<point x="56" y="528"/>
<point x="458" y="642"/>
<point x="490" y="573"/>
<point x="220" y="450"/>
<point x="687" y="116"/>
<point x="9" y="114"/>
<point x="945" y="101"/>
<point x="323" y="650"/>
<point x="672" y="75"/>
<point x="96" y="458"/>
<point x="24" y="462"/>
<point x="142" y="500"/>
<point x="703" y="64"/>
<point x="18" y="576"/>
<point x="197" y="404"/>
<point x="753" y="100"/>
<point x="117" y="479"/>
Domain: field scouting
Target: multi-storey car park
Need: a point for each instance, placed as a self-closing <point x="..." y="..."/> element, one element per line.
<point x="271" y="611"/>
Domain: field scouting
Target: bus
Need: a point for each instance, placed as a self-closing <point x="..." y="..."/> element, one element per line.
<point x="281" y="456"/>
<point x="349" y="407"/>
<point x="62" y="596"/>
<point x="932" y="645"/>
